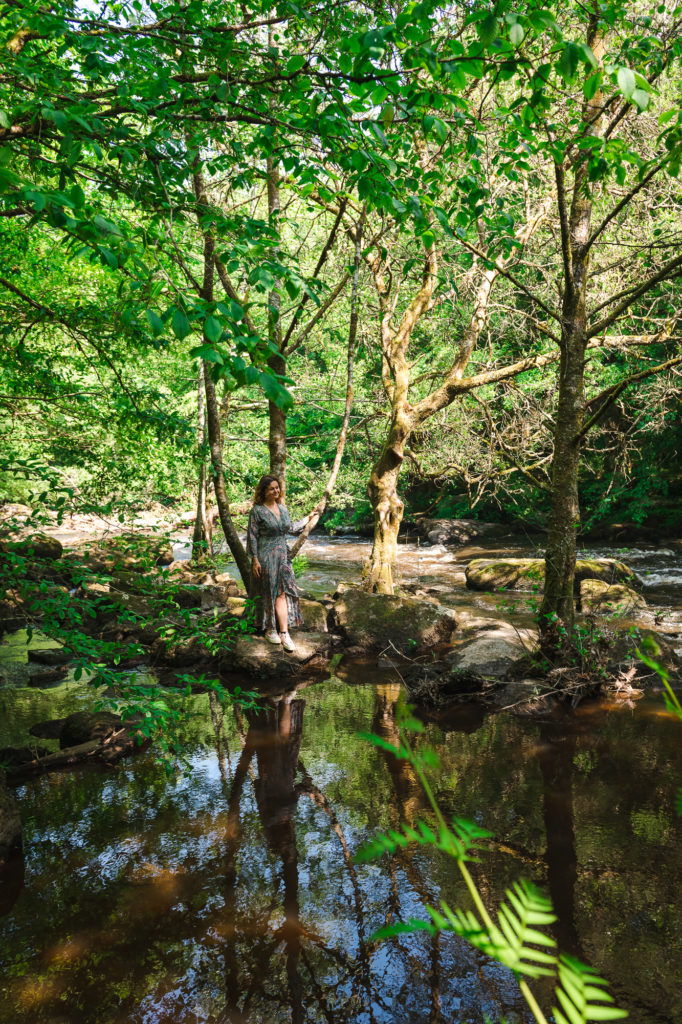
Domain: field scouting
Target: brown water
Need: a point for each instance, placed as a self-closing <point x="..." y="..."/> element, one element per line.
<point x="230" y="895"/>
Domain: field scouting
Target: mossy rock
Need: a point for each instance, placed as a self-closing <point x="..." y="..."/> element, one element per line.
<point x="134" y="552"/>
<point x="38" y="545"/>
<point x="529" y="573"/>
<point x="603" y="599"/>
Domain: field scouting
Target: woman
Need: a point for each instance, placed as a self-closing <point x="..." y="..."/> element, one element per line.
<point x="273" y="587"/>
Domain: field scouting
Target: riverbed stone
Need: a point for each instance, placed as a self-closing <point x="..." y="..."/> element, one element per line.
<point x="83" y="726"/>
<point x="457" y="531"/>
<point x="378" y="620"/>
<point x="603" y="599"/>
<point x="529" y="573"/>
<point x="260" y="659"/>
<point x="10" y="823"/>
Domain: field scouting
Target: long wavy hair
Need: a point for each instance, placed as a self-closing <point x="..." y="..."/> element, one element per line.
<point x="263" y="484"/>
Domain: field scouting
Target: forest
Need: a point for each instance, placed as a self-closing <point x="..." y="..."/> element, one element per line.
<point x="416" y="266"/>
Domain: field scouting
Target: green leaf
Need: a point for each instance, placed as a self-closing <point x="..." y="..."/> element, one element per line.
<point x="180" y="324"/>
<point x="213" y="329"/>
<point x="626" y="82"/>
<point x="155" y="321"/>
<point x="487" y="29"/>
<point x="591" y="85"/>
<point x="295" y="63"/>
<point x="568" y="62"/>
<point x="516" y="34"/>
<point x="641" y="99"/>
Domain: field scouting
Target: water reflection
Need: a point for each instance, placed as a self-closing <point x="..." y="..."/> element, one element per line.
<point x="232" y="895"/>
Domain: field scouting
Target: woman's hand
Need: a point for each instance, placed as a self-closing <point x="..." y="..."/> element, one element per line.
<point x="256" y="566"/>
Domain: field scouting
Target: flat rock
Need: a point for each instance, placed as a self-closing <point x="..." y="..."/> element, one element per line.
<point x="377" y="620"/>
<point x="259" y="658"/>
<point x="529" y="573"/>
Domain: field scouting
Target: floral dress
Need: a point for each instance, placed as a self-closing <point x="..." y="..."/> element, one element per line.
<point x="266" y="540"/>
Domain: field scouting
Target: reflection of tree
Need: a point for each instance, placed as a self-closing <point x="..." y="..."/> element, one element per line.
<point x="280" y="732"/>
<point x="555" y="756"/>
<point x="405" y="805"/>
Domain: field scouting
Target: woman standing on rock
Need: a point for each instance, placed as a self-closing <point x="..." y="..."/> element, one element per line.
<point x="273" y="587"/>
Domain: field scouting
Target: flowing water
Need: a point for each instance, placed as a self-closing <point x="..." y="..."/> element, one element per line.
<point x="230" y="893"/>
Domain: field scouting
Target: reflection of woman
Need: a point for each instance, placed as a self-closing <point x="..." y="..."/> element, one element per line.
<point x="272" y="582"/>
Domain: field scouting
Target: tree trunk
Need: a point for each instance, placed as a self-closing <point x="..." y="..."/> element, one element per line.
<point x="558" y="600"/>
<point x="202" y="537"/>
<point x="387" y="507"/>
<point x="277" y="437"/>
<point x="215" y="442"/>
<point x="557" y="610"/>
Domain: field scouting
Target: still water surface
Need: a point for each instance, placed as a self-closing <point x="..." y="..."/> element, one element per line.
<point x="230" y="894"/>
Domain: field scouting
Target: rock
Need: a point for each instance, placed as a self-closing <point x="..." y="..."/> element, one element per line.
<point x="83" y="726"/>
<point x="135" y="552"/>
<point x="529" y="573"/>
<point x="314" y="616"/>
<point x="52" y="656"/>
<point x="37" y="545"/>
<point x="457" y="531"/>
<point x="495" y="652"/>
<point x="10" y="823"/>
<point x="376" y="620"/>
<point x="259" y="658"/>
<point x="51" y="730"/>
<point x="601" y="599"/>
<point x="43" y="675"/>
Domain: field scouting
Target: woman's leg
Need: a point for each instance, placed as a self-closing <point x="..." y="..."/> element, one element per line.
<point x="282" y="612"/>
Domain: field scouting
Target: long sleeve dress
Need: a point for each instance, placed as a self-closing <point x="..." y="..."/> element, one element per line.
<point x="266" y="540"/>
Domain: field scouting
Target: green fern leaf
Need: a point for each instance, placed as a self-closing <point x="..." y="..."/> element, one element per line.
<point x="582" y="995"/>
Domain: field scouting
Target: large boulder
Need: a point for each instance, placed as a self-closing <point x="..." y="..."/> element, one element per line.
<point x="10" y="823"/>
<point x="494" y="652"/>
<point x="457" y="531"/>
<point x="529" y="573"/>
<point x="260" y="659"/>
<point x="617" y="599"/>
<point x="377" y="620"/>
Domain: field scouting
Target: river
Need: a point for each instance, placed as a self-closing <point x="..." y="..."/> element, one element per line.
<point x="228" y="893"/>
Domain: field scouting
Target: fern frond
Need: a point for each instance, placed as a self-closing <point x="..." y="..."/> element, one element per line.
<point x="582" y="995"/>
<point x="389" y="842"/>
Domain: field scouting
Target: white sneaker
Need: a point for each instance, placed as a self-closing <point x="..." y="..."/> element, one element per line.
<point x="287" y="643"/>
<point x="273" y="637"/>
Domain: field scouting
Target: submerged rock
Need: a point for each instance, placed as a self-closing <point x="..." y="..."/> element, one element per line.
<point x="10" y="823"/>
<point x="529" y="573"/>
<point x="377" y="620"/>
